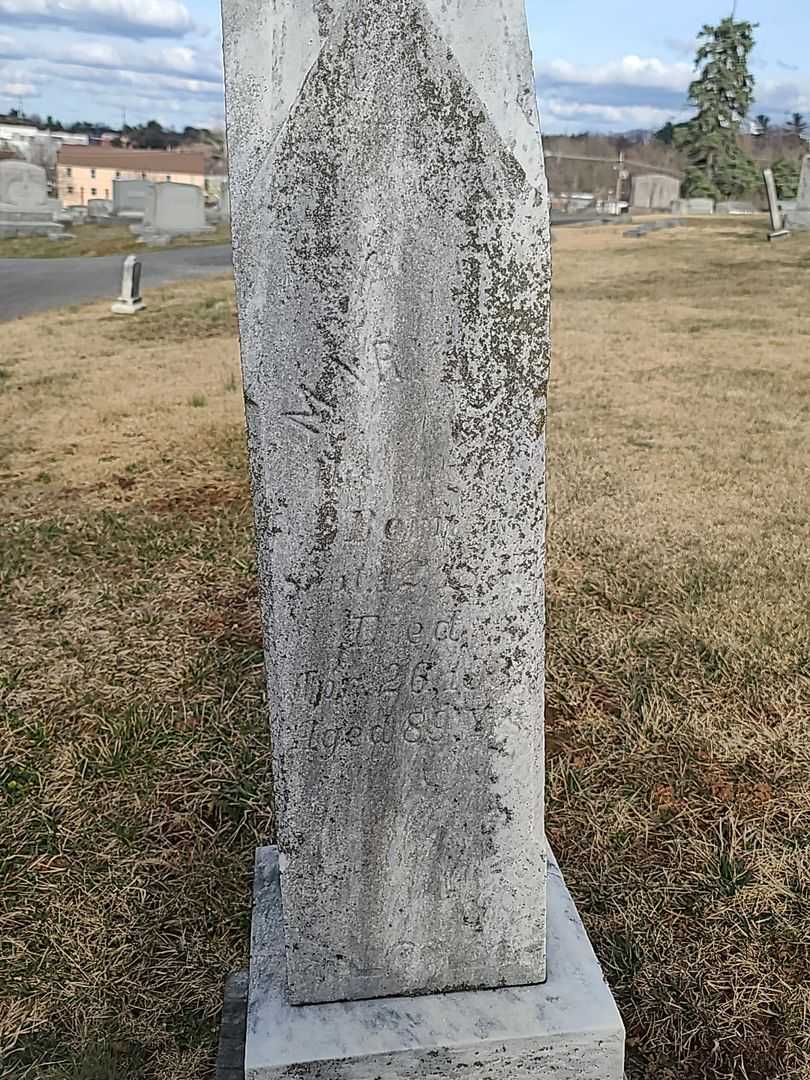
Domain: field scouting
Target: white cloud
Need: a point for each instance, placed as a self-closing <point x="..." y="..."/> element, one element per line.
<point x="129" y="18"/>
<point x="556" y="114"/>
<point x="630" y="70"/>
<point x="101" y="78"/>
<point x="145" y="60"/>
<point x="133" y="82"/>
<point x="19" y="89"/>
<point x="779" y="99"/>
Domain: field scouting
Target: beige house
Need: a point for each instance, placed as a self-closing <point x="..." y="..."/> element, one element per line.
<point x="87" y="172"/>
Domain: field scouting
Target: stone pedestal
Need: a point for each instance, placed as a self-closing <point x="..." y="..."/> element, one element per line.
<point x="129" y="302"/>
<point x="565" y="1029"/>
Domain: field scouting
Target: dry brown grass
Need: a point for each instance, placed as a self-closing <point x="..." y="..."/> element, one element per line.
<point x="135" y="768"/>
<point x="679" y="665"/>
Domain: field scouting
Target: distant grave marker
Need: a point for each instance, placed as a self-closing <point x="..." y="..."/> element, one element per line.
<point x="25" y="209"/>
<point x="778" y="231"/>
<point x="129" y="198"/>
<point x="172" y="209"/>
<point x="130" y="302"/>
<point x="798" y="218"/>
<point x="654" y="191"/>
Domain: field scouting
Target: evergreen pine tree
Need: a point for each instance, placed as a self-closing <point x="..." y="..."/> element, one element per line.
<point x="722" y="92"/>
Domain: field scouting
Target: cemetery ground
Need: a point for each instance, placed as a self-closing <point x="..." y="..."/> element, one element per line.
<point x="90" y="239"/>
<point x="135" y="757"/>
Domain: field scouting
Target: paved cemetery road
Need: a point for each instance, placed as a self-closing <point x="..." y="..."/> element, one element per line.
<point x="28" y="285"/>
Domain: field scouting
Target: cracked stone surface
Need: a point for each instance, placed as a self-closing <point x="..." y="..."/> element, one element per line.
<point x="392" y="262"/>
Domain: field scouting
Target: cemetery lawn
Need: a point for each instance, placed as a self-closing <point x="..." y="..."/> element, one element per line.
<point x="98" y="240"/>
<point x="135" y="770"/>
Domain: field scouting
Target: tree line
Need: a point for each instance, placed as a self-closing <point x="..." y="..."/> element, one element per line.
<point x="148" y="136"/>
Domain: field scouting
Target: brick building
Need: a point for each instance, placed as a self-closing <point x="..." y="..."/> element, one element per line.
<point x="87" y="172"/>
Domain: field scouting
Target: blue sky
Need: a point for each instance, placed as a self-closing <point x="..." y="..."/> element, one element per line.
<point x="600" y="66"/>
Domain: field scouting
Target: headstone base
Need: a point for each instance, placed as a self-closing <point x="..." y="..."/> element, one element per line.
<point x="149" y="236"/>
<point x="19" y="225"/>
<point x="797" y="220"/>
<point x="781" y="234"/>
<point x="127" y="307"/>
<point x="231" y="1052"/>
<point x="568" y="1028"/>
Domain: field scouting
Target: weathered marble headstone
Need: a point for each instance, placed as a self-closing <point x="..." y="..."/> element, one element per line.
<point x="777" y="230"/>
<point x="130" y="301"/>
<point x="798" y="218"/>
<point x="654" y="191"/>
<point x="25" y="209"/>
<point x="172" y="209"/>
<point x="391" y="248"/>
<point x="99" y="210"/>
<point x="129" y="197"/>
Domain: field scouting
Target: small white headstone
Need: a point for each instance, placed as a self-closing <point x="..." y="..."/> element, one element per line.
<point x="777" y="220"/>
<point x="130" y="302"/>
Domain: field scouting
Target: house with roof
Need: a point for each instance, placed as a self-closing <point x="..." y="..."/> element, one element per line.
<point x="87" y="172"/>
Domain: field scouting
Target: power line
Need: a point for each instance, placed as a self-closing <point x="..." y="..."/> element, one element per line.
<point x="550" y="154"/>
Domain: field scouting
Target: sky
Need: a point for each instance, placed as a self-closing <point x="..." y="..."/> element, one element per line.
<point x="599" y="66"/>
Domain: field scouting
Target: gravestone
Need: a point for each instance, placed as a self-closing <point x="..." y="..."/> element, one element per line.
<point x="172" y="209"/>
<point x="692" y="206"/>
<point x="130" y="302"/>
<point x="129" y="198"/>
<point x="99" y="210"/>
<point x="392" y="257"/>
<point x="654" y="192"/>
<point x="735" y="206"/>
<point x="798" y="218"/>
<point x="777" y="230"/>
<point x="225" y="203"/>
<point x="25" y="209"/>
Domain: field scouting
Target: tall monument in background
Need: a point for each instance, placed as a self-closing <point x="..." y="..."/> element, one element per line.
<point x="391" y="247"/>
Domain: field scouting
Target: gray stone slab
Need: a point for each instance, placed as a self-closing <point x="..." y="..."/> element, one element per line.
<point x="99" y="209"/>
<point x="803" y="195"/>
<point x="797" y="220"/>
<point x="773" y="202"/>
<point x="172" y="209"/>
<point x="654" y="191"/>
<point x="24" y="187"/>
<point x="569" y="1028"/>
<point x="392" y="261"/>
<point x="735" y="207"/>
<point x="129" y="197"/>
<point x="230" y="1063"/>
<point x="693" y="206"/>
